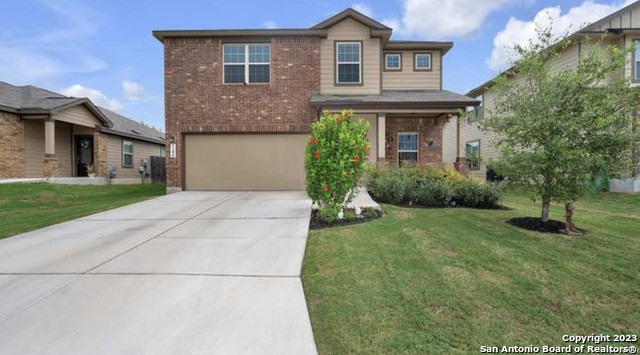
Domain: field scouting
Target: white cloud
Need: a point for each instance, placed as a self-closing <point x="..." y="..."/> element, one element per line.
<point x="131" y="90"/>
<point x="438" y="19"/>
<point x="270" y="24"/>
<point x="22" y="67"/>
<point x="520" y="32"/>
<point x="39" y="58"/>
<point x="79" y="20"/>
<point x="363" y="8"/>
<point x="96" y="96"/>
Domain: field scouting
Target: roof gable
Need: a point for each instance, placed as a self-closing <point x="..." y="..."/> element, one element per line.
<point x="596" y="25"/>
<point x="34" y="100"/>
<point x="353" y="14"/>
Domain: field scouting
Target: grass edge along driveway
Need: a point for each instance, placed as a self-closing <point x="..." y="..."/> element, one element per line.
<point x="29" y="206"/>
<point x="437" y="281"/>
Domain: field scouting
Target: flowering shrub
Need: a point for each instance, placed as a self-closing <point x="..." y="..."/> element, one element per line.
<point x="334" y="159"/>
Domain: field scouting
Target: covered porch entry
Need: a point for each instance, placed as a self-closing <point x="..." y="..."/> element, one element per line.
<point x="66" y="143"/>
<point x="405" y="126"/>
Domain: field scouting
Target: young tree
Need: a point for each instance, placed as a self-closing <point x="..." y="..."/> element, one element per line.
<point x="559" y="127"/>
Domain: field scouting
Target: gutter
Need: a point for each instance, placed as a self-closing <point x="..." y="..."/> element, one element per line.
<point x="162" y="34"/>
<point x="396" y="105"/>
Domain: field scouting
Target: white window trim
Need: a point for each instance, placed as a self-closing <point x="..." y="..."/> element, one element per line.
<point x="124" y="153"/>
<point x="468" y="143"/>
<point x="417" y="150"/>
<point x="415" y="61"/>
<point x="339" y="62"/>
<point x="636" y="59"/>
<point x="386" y="67"/>
<point x="246" y="63"/>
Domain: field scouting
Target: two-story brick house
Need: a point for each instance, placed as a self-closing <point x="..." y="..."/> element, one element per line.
<point x="239" y="103"/>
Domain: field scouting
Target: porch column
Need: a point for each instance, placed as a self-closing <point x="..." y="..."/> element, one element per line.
<point x="381" y="138"/>
<point x="50" y="162"/>
<point x="49" y="138"/>
<point x="461" y="164"/>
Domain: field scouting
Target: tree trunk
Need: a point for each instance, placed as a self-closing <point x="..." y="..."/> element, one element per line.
<point x="545" y="210"/>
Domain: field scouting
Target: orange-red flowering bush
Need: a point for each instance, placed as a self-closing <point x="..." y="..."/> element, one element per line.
<point x="334" y="160"/>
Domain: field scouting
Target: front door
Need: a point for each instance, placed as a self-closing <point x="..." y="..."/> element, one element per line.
<point x="84" y="154"/>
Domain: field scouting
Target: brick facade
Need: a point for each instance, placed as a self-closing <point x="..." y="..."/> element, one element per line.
<point x="429" y="138"/>
<point x="196" y="100"/>
<point x="11" y="146"/>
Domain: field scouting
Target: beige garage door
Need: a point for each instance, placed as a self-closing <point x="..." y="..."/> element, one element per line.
<point x="245" y="162"/>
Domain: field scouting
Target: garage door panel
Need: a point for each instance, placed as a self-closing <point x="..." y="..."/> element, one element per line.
<point x="245" y="162"/>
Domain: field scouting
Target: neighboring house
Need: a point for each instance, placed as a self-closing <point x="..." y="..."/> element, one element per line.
<point x="45" y="134"/>
<point x="620" y="29"/>
<point x="239" y="103"/>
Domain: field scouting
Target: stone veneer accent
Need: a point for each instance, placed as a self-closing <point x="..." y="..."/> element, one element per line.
<point x="197" y="101"/>
<point x="11" y="146"/>
<point x="100" y="142"/>
<point x="50" y="167"/>
<point x="429" y="130"/>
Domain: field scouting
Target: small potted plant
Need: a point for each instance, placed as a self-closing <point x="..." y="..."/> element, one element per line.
<point x="91" y="170"/>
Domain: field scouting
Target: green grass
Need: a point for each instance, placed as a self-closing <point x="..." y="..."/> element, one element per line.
<point x="451" y="280"/>
<point x="25" y="207"/>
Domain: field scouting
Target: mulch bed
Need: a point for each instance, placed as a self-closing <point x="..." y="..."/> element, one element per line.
<point x="535" y="224"/>
<point x="315" y="223"/>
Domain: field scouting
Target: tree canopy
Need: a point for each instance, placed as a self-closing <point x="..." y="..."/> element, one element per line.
<point x="560" y="126"/>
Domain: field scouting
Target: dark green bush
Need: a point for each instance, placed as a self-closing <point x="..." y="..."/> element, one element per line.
<point x="369" y="212"/>
<point x="433" y="193"/>
<point x="389" y="186"/>
<point x="428" y="186"/>
<point x="473" y="194"/>
<point x="327" y="215"/>
<point x="349" y="216"/>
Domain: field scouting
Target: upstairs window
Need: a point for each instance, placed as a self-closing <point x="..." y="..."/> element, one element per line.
<point x="393" y="61"/>
<point x="247" y="63"/>
<point x="476" y="114"/>
<point x="349" y="63"/>
<point x="636" y="61"/>
<point x="422" y="61"/>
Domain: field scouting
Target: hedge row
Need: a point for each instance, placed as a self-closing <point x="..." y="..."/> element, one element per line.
<point x="431" y="187"/>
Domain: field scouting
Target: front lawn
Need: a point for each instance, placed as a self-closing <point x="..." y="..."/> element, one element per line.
<point x="25" y="207"/>
<point x="436" y="281"/>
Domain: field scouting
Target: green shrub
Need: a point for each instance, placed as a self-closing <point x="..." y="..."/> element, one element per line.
<point x="475" y="194"/>
<point x="334" y="159"/>
<point x="349" y="216"/>
<point x="327" y="215"/>
<point x="429" y="186"/>
<point x="369" y="212"/>
<point x="390" y="186"/>
<point x="433" y="193"/>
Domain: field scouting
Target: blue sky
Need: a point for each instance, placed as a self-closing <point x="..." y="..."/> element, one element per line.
<point x="104" y="48"/>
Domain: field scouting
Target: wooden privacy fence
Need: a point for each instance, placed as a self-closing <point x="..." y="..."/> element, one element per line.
<point x="158" y="175"/>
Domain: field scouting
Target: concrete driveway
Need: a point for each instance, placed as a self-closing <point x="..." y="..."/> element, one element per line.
<point x="187" y="273"/>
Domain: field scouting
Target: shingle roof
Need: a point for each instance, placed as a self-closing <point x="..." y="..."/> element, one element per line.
<point x="30" y="99"/>
<point x="399" y="99"/>
<point x="130" y="128"/>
